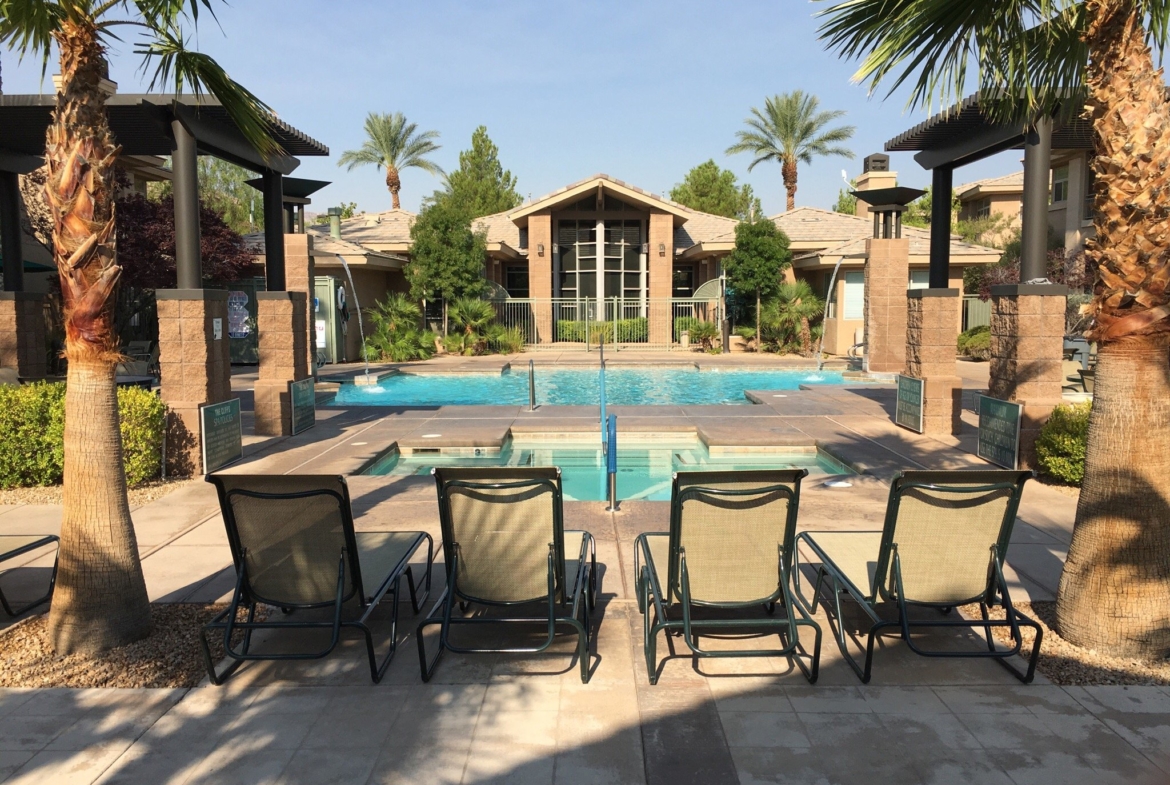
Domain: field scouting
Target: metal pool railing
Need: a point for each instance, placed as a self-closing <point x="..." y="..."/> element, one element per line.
<point x="611" y="463"/>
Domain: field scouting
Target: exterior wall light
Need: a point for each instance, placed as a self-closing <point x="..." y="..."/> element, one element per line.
<point x="540" y="249"/>
<point x="662" y="249"/>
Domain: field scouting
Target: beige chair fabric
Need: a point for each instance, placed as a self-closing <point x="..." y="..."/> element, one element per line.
<point x="854" y="553"/>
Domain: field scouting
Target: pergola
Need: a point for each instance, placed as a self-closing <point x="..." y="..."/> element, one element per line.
<point x="962" y="135"/>
<point x="180" y="126"/>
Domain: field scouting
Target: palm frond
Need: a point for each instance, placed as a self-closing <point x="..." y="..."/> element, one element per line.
<point x="27" y="28"/>
<point x="393" y="142"/>
<point x="188" y="69"/>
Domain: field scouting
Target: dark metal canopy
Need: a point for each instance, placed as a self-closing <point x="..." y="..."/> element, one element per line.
<point x="297" y="190"/>
<point x="141" y="124"/>
<point x="962" y="134"/>
<point x="897" y="196"/>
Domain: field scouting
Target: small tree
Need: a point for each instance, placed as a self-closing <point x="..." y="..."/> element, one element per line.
<point x="713" y="190"/>
<point x="846" y="201"/>
<point x="481" y="185"/>
<point x="223" y="187"/>
<point x="760" y="257"/>
<point x="446" y="258"/>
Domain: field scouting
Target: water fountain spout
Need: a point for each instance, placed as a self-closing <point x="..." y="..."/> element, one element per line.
<point x="357" y="306"/>
<point x="825" y="316"/>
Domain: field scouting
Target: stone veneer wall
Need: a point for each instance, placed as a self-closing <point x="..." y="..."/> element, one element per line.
<point x="930" y="355"/>
<point x="887" y="276"/>
<point x="281" y="320"/>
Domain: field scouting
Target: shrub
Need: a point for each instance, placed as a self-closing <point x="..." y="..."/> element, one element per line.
<point x="684" y="324"/>
<point x="1060" y="448"/>
<point x="975" y="343"/>
<point x="393" y="332"/>
<point x="505" y="340"/>
<point x="634" y="330"/>
<point x="704" y="335"/>
<point x="32" y="434"/>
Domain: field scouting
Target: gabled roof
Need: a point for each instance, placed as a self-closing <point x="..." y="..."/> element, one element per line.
<point x="325" y="245"/>
<point x="1007" y="184"/>
<point x="381" y="231"/>
<point x="583" y="187"/>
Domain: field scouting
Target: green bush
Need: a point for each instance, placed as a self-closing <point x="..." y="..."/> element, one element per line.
<point x="704" y="335"/>
<point x="1060" y="448"/>
<point x="32" y="434"/>
<point x="975" y="343"/>
<point x="634" y="330"/>
<point x="684" y="324"/>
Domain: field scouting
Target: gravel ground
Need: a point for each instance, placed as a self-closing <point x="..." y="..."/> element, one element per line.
<point x="170" y="657"/>
<point x="51" y="494"/>
<point x="1069" y="665"/>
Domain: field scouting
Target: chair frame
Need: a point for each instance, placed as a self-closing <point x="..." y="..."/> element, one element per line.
<point x="678" y="582"/>
<point x="244" y="595"/>
<point x="889" y="563"/>
<point x="48" y="539"/>
<point x="584" y="590"/>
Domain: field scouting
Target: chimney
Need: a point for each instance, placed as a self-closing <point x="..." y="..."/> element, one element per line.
<point x="875" y="173"/>
<point x="334" y="222"/>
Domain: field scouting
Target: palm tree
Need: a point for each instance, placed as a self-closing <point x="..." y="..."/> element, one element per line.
<point x="100" y="599"/>
<point x="1033" y="57"/>
<point x="793" y="309"/>
<point x="791" y="130"/>
<point x="393" y="144"/>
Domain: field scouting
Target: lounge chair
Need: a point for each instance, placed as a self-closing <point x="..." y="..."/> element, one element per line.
<point x="505" y="546"/>
<point x="943" y="544"/>
<point x="729" y="548"/>
<point x="295" y="548"/>
<point x="13" y="545"/>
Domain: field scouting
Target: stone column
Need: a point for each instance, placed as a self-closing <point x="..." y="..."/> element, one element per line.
<point x="195" y="366"/>
<point x="887" y="274"/>
<point x="1027" y="343"/>
<point x="283" y="332"/>
<point x="930" y="356"/>
<point x="22" y="334"/>
<point x="660" y="268"/>
<point x="540" y="274"/>
<point x="299" y="273"/>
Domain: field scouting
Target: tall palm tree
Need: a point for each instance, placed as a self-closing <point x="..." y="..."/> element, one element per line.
<point x="791" y="130"/>
<point x="100" y="599"/>
<point x="1096" y="54"/>
<point x="393" y="144"/>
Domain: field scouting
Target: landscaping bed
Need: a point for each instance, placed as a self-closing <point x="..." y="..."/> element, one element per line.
<point x="145" y="493"/>
<point x="170" y="657"/>
<point x="1071" y="666"/>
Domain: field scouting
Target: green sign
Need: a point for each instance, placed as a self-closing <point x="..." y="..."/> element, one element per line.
<point x="908" y="412"/>
<point x="304" y="404"/>
<point x="220" y="434"/>
<point x="999" y="431"/>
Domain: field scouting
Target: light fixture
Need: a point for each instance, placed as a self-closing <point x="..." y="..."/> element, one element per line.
<point x="540" y="249"/>
<point x="662" y="249"/>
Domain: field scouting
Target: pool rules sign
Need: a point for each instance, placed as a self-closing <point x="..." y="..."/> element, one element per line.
<point x="999" y="431"/>
<point x="908" y="411"/>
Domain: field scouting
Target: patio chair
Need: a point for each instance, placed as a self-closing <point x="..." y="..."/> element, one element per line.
<point x="942" y="545"/>
<point x="294" y="547"/>
<point x="13" y="545"/>
<point x="729" y="548"/>
<point x="505" y="546"/>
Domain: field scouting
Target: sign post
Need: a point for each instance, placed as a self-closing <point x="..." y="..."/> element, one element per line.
<point x="999" y="431"/>
<point x="220" y="434"/>
<point x="303" y="395"/>
<point x="908" y="412"/>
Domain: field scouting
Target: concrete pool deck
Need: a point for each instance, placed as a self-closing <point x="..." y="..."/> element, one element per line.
<point x="499" y="718"/>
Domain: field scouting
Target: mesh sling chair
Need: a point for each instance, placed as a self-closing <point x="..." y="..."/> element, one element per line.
<point x="943" y="545"/>
<point x="13" y="545"/>
<point x="729" y="547"/>
<point x="505" y="545"/>
<point x="295" y="548"/>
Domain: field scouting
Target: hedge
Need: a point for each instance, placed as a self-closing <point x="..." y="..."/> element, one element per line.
<point x="635" y="330"/>
<point x="1060" y="447"/>
<point x="32" y="434"/>
<point x="975" y="343"/>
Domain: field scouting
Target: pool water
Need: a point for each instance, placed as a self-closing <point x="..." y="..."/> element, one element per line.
<point x="644" y="473"/>
<point x="570" y="386"/>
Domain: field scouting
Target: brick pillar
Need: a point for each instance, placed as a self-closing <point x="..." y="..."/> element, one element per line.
<point x="283" y="332"/>
<point x="22" y="334"/>
<point x="930" y="355"/>
<point x="540" y="274"/>
<point x="1027" y="343"/>
<point x="660" y="271"/>
<point x="298" y="277"/>
<point x="887" y="274"/>
<point x="195" y="366"/>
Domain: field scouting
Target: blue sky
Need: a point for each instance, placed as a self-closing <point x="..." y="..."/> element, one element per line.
<point x="642" y="91"/>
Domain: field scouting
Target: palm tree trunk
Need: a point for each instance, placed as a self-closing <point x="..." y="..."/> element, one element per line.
<point x="805" y="337"/>
<point x="394" y="183"/>
<point x="788" y="171"/>
<point x="1117" y="576"/>
<point x="100" y="600"/>
<point x="757" y="317"/>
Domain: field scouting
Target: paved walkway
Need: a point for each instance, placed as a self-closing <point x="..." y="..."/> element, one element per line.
<point x="509" y="719"/>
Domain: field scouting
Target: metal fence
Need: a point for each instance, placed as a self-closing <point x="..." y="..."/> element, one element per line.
<point x="976" y="312"/>
<point x="587" y="323"/>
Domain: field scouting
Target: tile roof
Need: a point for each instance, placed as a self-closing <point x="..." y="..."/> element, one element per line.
<point x="648" y="195"/>
<point x="322" y="244"/>
<point x="499" y="228"/>
<point x="391" y="226"/>
<point x="846" y="234"/>
<point x="1007" y="181"/>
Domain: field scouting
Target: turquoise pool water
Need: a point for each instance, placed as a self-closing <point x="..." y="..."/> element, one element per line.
<point x="644" y="473"/>
<point x="567" y="386"/>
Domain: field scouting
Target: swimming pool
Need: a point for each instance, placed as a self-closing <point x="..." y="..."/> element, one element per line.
<point x="572" y="386"/>
<point x="644" y="473"/>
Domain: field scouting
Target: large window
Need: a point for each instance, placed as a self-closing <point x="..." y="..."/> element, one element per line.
<point x="983" y="208"/>
<point x="516" y="281"/>
<point x="920" y="279"/>
<point x="854" y="296"/>
<point x="619" y="266"/>
<point x="1060" y="184"/>
<point x="1090" y="182"/>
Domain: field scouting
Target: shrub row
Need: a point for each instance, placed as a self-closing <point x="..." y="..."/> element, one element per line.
<point x="976" y="343"/>
<point x="32" y="434"/>
<point x="1060" y="447"/>
<point x="636" y="330"/>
